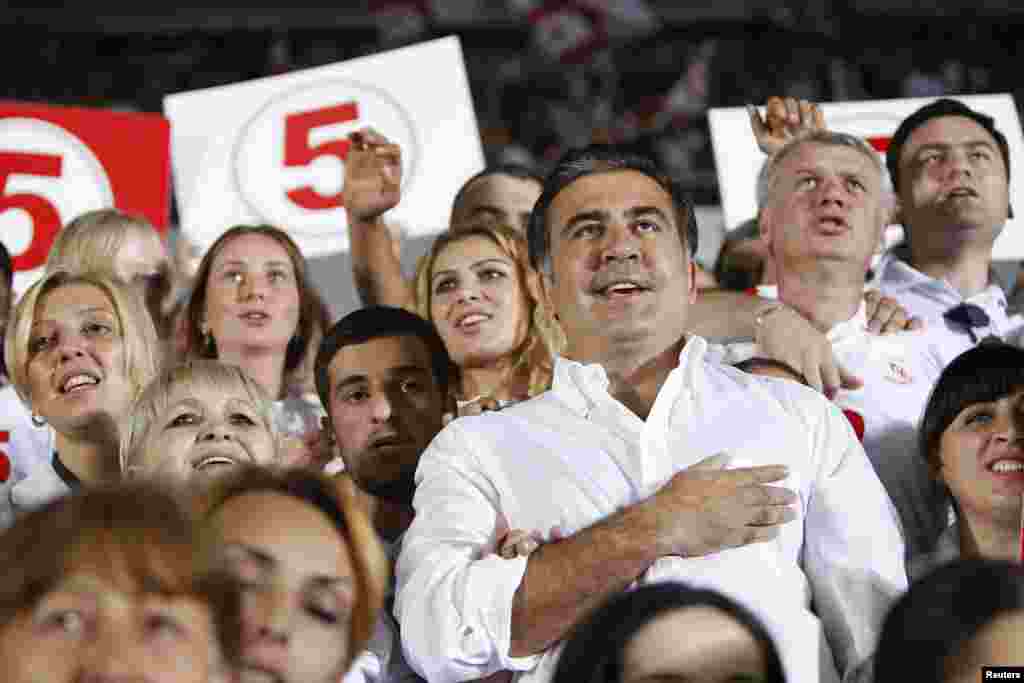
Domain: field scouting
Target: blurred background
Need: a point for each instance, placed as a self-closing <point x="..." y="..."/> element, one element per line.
<point x="546" y="75"/>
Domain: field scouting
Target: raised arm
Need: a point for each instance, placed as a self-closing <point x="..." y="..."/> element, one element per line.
<point x="373" y="183"/>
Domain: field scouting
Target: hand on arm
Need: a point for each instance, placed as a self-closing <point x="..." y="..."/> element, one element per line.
<point x="886" y="316"/>
<point x="787" y="336"/>
<point x="701" y="510"/>
<point x="373" y="182"/>
<point x="784" y="120"/>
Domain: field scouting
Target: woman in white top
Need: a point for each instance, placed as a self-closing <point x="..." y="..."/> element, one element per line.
<point x="478" y="288"/>
<point x="253" y="306"/>
<point x="80" y="349"/>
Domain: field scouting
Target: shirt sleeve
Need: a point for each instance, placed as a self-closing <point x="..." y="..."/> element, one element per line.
<point x="853" y="549"/>
<point x="454" y="594"/>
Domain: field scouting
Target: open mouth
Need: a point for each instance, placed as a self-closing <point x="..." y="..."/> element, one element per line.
<point x="255" y="317"/>
<point x="471" y="320"/>
<point x="78" y="382"/>
<point x="1006" y="465"/>
<point x="625" y="288"/>
<point x="832" y="225"/>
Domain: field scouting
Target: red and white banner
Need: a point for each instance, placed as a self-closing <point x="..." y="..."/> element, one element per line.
<point x="739" y="160"/>
<point x="572" y="31"/>
<point x="59" y="162"/>
<point x="272" y="150"/>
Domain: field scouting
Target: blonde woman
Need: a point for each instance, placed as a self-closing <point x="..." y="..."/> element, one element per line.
<point x="80" y="349"/>
<point x="197" y="421"/>
<point x="477" y="287"/>
<point x="125" y="246"/>
<point x="254" y="306"/>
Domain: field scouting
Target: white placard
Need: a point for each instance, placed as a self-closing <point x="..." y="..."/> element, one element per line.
<point x="738" y="159"/>
<point x="272" y="150"/>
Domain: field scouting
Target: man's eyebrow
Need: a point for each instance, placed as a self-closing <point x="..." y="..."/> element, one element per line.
<point x="583" y="217"/>
<point x="638" y="211"/>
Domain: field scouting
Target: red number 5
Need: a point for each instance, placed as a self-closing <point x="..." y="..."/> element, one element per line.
<point x="45" y="218"/>
<point x="297" y="151"/>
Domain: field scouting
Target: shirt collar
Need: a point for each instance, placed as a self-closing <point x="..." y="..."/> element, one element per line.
<point x="580" y="385"/>
<point x="895" y="274"/>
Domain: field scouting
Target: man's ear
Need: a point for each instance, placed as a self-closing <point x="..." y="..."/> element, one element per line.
<point x="764" y="229"/>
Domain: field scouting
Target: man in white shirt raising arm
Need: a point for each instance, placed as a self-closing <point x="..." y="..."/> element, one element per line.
<point x="613" y="467"/>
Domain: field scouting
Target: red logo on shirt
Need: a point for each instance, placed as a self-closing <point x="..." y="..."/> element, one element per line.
<point x="899" y="374"/>
<point x="856" y="421"/>
<point x="5" y="462"/>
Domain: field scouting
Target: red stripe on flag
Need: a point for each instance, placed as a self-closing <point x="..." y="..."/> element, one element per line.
<point x="5" y="462"/>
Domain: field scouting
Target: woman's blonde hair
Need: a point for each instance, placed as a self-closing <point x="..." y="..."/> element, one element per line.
<point x="339" y="500"/>
<point x="153" y="401"/>
<point x="93" y="240"/>
<point x="141" y="350"/>
<point x="534" y="359"/>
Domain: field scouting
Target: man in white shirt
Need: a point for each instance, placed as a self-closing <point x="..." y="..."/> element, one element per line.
<point x="382" y="376"/>
<point x="615" y="466"/>
<point x="823" y="212"/>
<point x="950" y="168"/>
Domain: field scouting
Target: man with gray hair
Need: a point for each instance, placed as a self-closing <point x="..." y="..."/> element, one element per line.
<point x="823" y="210"/>
<point x="631" y="446"/>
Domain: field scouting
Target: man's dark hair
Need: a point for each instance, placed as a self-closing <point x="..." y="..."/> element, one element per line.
<point x="933" y="621"/>
<point x="938" y="109"/>
<point x="374" y="322"/>
<point x="6" y="266"/>
<point x="595" y="650"/>
<point x="512" y="170"/>
<point x="603" y="159"/>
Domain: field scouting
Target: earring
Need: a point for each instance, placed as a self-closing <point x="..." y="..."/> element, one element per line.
<point x="38" y="420"/>
<point x="209" y="345"/>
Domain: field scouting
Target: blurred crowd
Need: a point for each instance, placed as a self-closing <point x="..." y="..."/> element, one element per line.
<point x="561" y="450"/>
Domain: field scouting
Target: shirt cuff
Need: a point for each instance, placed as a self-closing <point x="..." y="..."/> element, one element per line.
<point x="491" y="584"/>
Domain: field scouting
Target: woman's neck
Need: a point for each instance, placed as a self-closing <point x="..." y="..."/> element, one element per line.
<point x="266" y="367"/>
<point x="92" y="461"/>
<point x="491" y="381"/>
<point x="989" y="538"/>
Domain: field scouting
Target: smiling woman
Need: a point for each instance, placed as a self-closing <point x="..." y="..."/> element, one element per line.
<point x="81" y="348"/>
<point x="477" y="287"/>
<point x="254" y="306"/>
<point x="195" y="421"/>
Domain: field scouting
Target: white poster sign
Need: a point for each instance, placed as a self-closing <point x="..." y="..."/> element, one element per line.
<point x="272" y="150"/>
<point x="738" y="158"/>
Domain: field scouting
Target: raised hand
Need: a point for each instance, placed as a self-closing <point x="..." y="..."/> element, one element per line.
<point x="373" y="175"/>
<point x="784" y="120"/>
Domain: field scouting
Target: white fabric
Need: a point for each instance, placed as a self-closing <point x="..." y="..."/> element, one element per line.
<point x="929" y="298"/>
<point x="39" y="488"/>
<point x="382" y="661"/>
<point x="898" y="371"/>
<point x="27" y="446"/>
<point x="574" y="455"/>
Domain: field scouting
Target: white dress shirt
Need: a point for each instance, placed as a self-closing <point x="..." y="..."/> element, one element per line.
<point x="574" y="455"/>
<point x="898" y="371"/>
<point x="929" y="298"/>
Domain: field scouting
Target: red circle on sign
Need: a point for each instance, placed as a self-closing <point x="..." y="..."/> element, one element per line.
<point x="5" y="467"/>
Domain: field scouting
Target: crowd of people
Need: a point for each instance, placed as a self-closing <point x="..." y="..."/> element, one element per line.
<point x="561" y="451"/>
